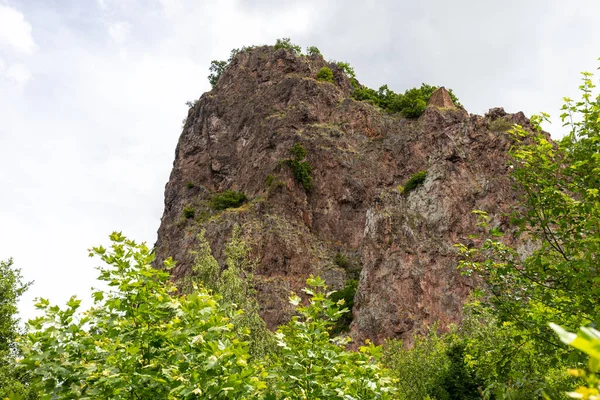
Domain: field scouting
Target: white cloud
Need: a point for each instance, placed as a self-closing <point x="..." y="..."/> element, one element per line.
<point x="18" y="73"/>
<point x="15" y="31"/>
<point x="119" y="31"/>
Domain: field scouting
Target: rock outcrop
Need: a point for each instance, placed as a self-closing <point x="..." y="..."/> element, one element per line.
<point x="399" y="245"/>
<point x="441" y="99"/>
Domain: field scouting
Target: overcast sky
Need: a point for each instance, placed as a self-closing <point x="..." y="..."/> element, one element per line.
<point x="92" y="95"/>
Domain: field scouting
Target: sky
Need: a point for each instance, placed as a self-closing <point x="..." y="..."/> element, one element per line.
<point x="93" y="92"/>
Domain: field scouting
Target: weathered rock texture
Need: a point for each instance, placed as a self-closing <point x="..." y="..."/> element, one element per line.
<point x="238" y="137"/>
<point x="441" y="99"/>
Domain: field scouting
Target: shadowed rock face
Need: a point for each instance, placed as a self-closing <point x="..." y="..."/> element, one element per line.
<point x="400" y="246"/>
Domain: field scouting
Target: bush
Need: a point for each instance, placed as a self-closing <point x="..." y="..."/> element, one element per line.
<point x="348" y="70"/>
<point x="301" y="169"/>
<point x="325" y="74"/>
<point x="416" y="180"/>
<point x="347" y="295"/>
<point x="228" y="199"/>
<point x="190" y="185"/>
<point x="312" y="51"/>
<point x="312" y="365"/>
<point x="12" y="381"/>
<point x="341" y="260"/>
<point x="286" y="43"/>
<point x="189" y="212"/>
<point x="298" y="151"/>
<point x="141" y="339"/>
<point x="216" y="70"/>
<point x="499" y="125"/>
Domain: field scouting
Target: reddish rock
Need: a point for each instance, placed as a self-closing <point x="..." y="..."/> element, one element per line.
<point x="400" y="246"/>
<point x="441" y="99"/>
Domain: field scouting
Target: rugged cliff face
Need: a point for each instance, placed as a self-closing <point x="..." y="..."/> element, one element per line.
<point x="355" y="221"/>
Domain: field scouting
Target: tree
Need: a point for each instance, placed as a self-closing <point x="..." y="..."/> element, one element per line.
<point x="313" y="365"/>
<point x="235" y="287"/>
<point x="216" y="70"/>
<point x="11" y="289"/>
<point x="140" y="340"/>
<point x="559" y="213"/>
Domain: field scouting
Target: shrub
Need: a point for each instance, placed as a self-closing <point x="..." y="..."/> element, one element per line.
<point x="348" y="70"/>
<point x="140" y="339"/>
<point x="499" y="125"/>
<point x="341" y="260"/>
<point x="347" y="295"/>
<point x="325" y="74"/>
<point x="228" y="199"/>
<point x="312" y="365"/>
<point x="298" y="151"/>
<point x="12" y="287"/>
<point x="286" y="43"/>
<point x="216" y="70"/>
<point x="189" y="185"/>
<point x="301" y="169"/>
<point x="415" y="181"/>
<point x="189" y="212"/>
<point x="313" y="51"/>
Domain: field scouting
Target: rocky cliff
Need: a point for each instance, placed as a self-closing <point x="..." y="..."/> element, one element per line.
<point x="356" y="220"/>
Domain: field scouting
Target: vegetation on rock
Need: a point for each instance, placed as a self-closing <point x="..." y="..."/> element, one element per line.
<point x="325" y="74"/>
<point x="189" y="212"/>
<point x="228" y="199"/>
<point x="414" y="181"/>
<point x="300" y="169"/>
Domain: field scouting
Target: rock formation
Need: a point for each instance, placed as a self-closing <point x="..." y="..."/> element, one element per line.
<point x="400" y="245"/>
<point x="441" y="99"/>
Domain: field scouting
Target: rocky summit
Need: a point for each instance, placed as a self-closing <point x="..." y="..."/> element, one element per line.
<point x="326" y="185"/>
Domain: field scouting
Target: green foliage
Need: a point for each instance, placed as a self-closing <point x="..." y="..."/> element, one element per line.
<point x="235" y="287"/>
<point x="499" y="125"/>
<point x="216" y="70"/>
<point x="301" y="169"/>
<point x="560" y="212"/>
<point x="228" y="199"/>
<point x="312" y="365"/>
<point x="346" y="295"/>
<point x="312" y="51"/>
<point x="414" y="181"/>
<point x="480" y="359"/>
<point x="190" y="185"/>
<point x="586" y="340"/>
<point x="146" y="338"/>
<point x="286" y="43"/>
<point x="347" y="68"/>
<point x="325" y="74"/>
<point x="189" y="212"/>
<point x="341" y="260"/>
<point x="11" y="289"/>
<point x="218" y="67"/>
<point x="191" y="104"/>
<point x="141" y="339"/>
<point x="418" y="369"/>
<point x="269" y="180"/>
<point x="411" y="104"/>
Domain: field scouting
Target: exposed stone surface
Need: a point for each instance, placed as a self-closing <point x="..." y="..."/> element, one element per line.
<point x="238" y="137"/>
<point x="440" y="98"/>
